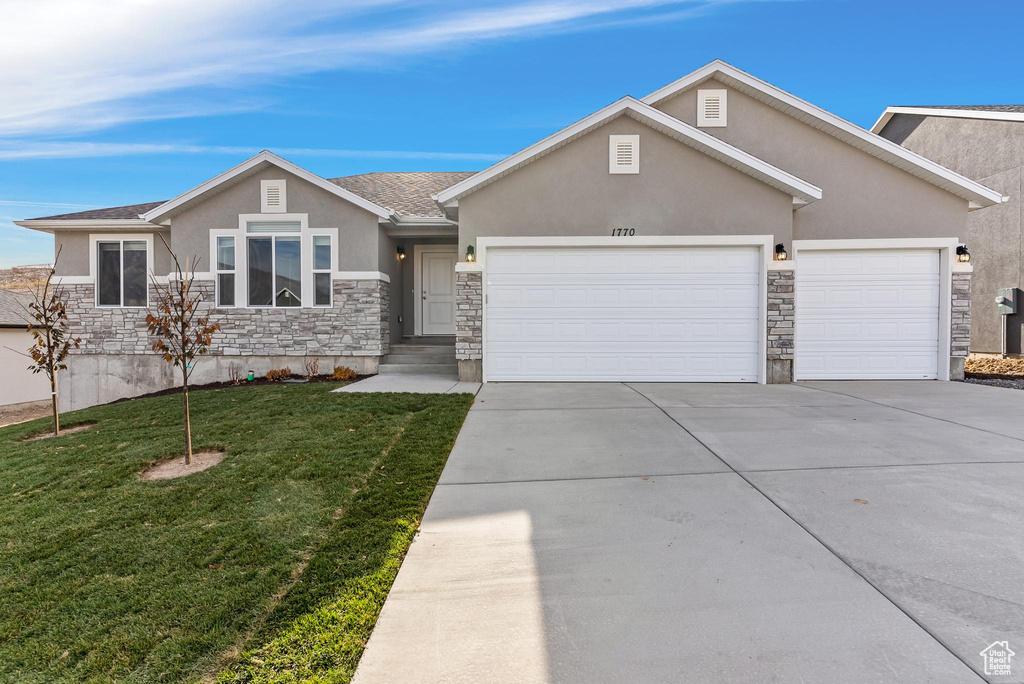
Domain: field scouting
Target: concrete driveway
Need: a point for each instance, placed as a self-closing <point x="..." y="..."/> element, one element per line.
<point x="821" y="532"/>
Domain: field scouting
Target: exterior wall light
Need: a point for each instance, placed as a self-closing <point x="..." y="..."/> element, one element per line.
<point x="401" y="252"/>
<point x="962" y="255"/>
<point x="470" y="253"/>
<point x="780" y="252"/>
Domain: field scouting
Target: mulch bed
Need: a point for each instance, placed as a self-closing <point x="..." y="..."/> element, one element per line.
<point x="244" y="383"/>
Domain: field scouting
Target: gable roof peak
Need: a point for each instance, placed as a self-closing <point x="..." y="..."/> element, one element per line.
<point x="975" y="193"/>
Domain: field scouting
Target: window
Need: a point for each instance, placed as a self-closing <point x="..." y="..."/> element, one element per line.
<point x="322" y="257"/>
<point x="623" y="154"/>
<point x="275" y="264"/>
<point x="711" y="108"/>
<point x="225" y="271"/>
<point x="121" y="267"/>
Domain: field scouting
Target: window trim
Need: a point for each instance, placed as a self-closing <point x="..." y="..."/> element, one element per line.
<point x="329" y="270"/>
<point x="94" y="274"/>
<point x="306" y="236"/>
<point x="218" y="271"/>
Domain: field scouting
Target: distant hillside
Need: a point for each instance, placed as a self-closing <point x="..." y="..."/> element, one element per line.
<point x="22" y="278"/>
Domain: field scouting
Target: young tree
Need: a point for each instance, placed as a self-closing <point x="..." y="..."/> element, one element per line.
<point x="51" y="338"/>
<point x="182" y="334"/>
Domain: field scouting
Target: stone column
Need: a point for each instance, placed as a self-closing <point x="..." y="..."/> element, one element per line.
<point x="781" y="330"/>
<point x="959" y="325"/>
<point x="469" y="325"/>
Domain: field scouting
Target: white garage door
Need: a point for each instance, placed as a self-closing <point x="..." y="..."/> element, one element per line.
<point x="593" y="314"/>
<point x="870" y="314"/>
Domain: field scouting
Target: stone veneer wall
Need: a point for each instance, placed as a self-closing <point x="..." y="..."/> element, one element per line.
<point x="469" y="325"/>
<point x="781" y="330"/>
<point x="959" y="325"/>
<point x="357" y="324"/>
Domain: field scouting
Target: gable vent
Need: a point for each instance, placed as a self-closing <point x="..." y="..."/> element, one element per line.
<point x="623" y="154"/>
<point x="711" y="108"/>
<point x="273" y="197"/>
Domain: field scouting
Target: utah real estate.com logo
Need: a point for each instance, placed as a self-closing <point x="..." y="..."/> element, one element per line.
<point x="997" y="658"/>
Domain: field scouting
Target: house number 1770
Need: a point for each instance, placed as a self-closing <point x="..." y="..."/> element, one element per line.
<point x="624" y="232"/>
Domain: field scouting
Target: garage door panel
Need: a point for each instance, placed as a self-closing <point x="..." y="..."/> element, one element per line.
<point x="671" y="314"/>
<point x="867" y="314"/>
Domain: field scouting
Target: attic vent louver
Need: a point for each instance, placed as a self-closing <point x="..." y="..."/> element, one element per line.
<point x="711" y="108"/>
<point x="273" y="197"/>
<point x="623" y="154"/>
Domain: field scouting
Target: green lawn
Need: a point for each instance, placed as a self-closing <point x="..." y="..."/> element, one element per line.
<point x="271" y="566"/>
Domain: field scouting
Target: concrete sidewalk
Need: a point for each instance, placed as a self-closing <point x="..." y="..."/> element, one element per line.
<point x="839" y="532"/>
<point x="415" y="383"/>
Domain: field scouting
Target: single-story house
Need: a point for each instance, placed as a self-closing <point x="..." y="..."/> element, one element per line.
<point x="719" y="229"/>
<point x="986" y="143"/>
<point x="18" y="385"/>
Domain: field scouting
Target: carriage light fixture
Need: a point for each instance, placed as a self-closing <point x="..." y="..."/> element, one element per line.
<point x="780" y="252"/>
<point x="401" y="252"/>
<point x="470" y="253"/>
<point x="962" y="255"/>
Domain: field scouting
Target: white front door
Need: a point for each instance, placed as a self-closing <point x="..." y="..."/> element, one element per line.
<point x="867" y="314"/>
<point x="437" y="290"/>
<point x="655" y="314"/>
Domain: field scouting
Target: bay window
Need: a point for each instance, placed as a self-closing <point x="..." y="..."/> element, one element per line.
<point x="121" y="278"/>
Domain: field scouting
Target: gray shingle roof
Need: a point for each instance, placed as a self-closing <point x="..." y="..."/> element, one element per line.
<point x="407" y="193"/>
<point x="130" y="211"/>
<point x="980" y="108"/>
<point x="12" y="312"/>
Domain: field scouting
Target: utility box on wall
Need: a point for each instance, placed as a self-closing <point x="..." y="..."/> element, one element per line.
<point x="1006" y="300"/>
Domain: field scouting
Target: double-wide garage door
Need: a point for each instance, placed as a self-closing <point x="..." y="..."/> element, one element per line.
<point x="623" y="314"/>
<point x="871" y="314"/>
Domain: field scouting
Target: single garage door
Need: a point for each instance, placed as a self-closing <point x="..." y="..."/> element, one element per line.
<point x="620" y="314"/>
<point x="871" y="314"/>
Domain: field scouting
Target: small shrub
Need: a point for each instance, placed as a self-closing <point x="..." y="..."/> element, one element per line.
<point x="279" y="374"/>
<point x="343" y="373"/>
<point x="235" y="373"/>
<point x="312" y="368"/>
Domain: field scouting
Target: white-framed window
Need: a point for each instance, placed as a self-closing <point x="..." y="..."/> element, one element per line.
<point x="274" y="264"/>
<point x="712" y="108"/>
<point x="225" y="270"/>
<point x="121" y="272"/>
<point x="623" y="154"/>
<point x="323" y="266"/>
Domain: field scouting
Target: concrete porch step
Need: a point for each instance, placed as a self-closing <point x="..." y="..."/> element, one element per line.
<point x="402" y="357"/>
<point x="423" y="349"/>
<point x="419" y="368"/>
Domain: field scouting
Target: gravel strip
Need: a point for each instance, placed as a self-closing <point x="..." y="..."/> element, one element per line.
<point x="1009" y="384"/>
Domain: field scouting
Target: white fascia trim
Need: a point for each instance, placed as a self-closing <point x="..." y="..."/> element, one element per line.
<point x="951" y="113"/>
<point x="154" y="215"/>
<point x="704" y="142"/>
<point x="88" y="224"/>
<point x="361" y="275"/>
<point x="873" y="144"/>
<point x="396" y="220"/>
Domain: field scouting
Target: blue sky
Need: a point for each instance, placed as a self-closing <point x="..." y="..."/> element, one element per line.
<point x="126" y="101"/>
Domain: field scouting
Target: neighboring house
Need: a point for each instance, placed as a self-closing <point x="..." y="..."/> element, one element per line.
<point x="643" y="242"/>
<point x="986" y="143"/>
<point x="18" y="385"/>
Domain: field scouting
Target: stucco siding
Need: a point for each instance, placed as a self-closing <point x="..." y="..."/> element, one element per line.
<point x="679" y="191"/>
<point x="357" y="248"/>
<point x="992" y="153"/>
<point x="863" y="196"/>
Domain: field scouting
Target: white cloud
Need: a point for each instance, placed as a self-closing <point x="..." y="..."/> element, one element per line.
<point x="75" y="65"/>
<point x="20" y="149"/>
